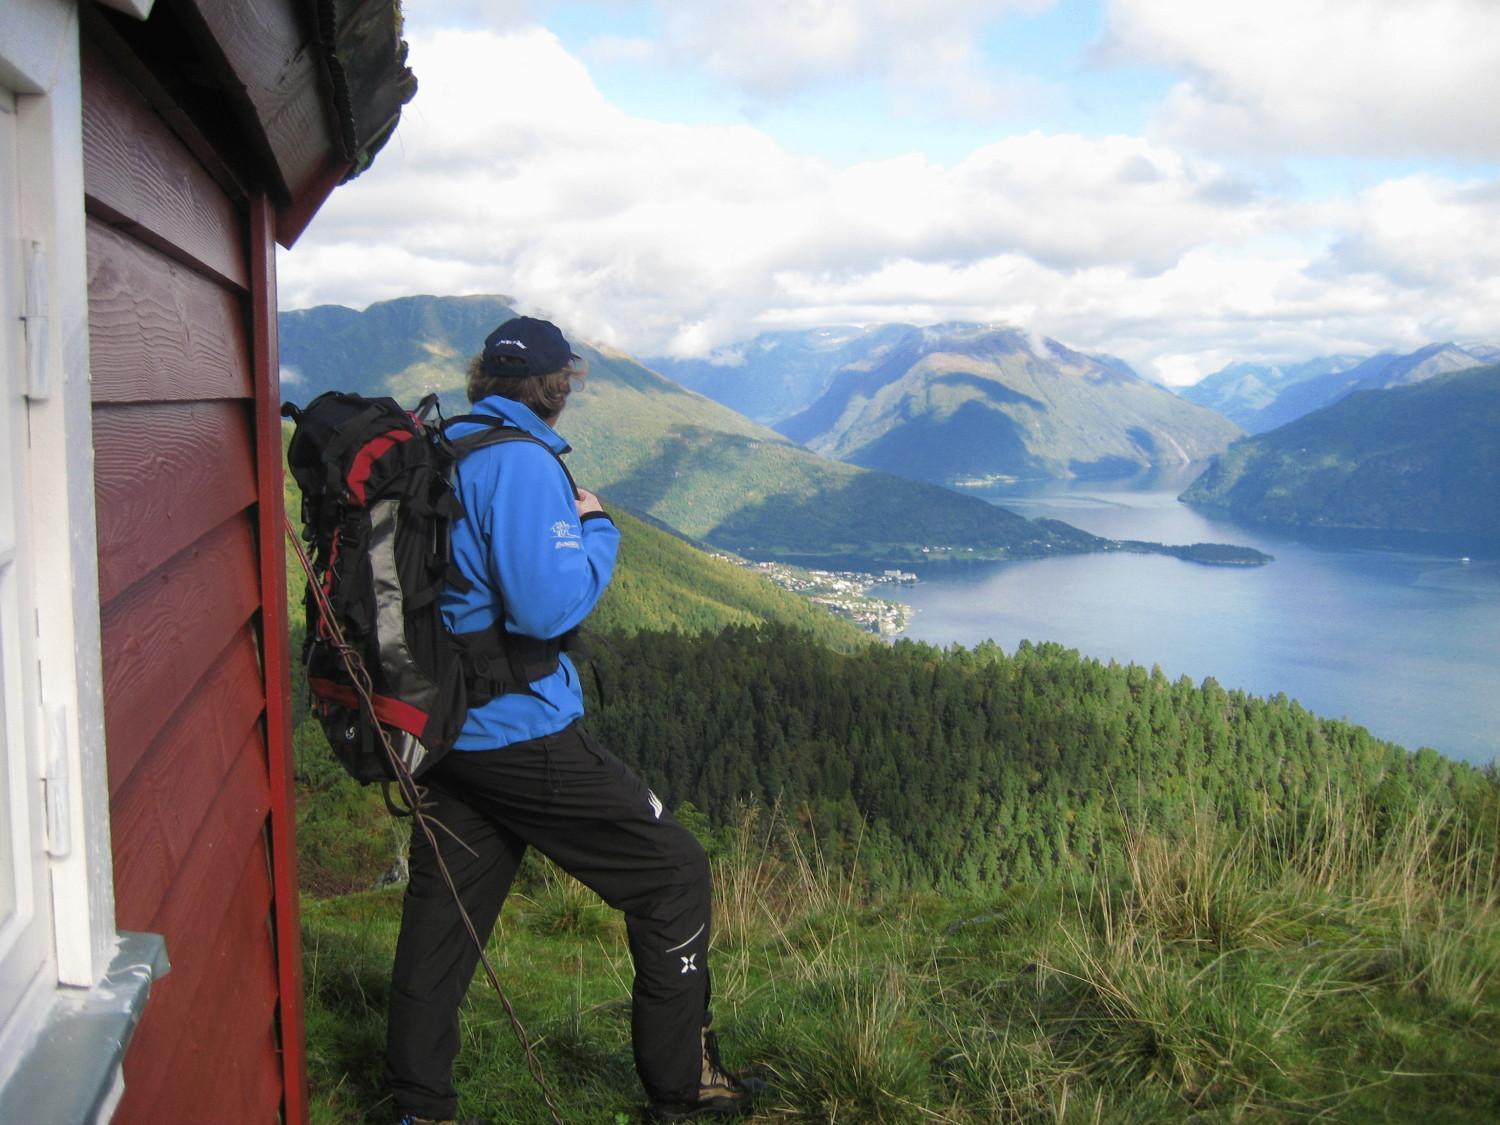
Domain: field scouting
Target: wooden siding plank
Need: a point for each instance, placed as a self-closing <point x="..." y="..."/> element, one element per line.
<point x="216" y="932"/>
<point x="159" y="331"/>
<point x="101" y="30"/>
<point x="166" y="474"/>
<point x="138" y="176"/>
<point x="239" y="1083"/>
<point x="211" y="1072"/>
<point x="277" y="657"/>
<point x="159" y="635"/>
<point x="270" y="51"/>
<point x="157" y="811"/>
<point x="221" y="691"/>
<point x="201" y="896"/>
<point x="230" y="1069"/>
<point x="256" y="1091"/>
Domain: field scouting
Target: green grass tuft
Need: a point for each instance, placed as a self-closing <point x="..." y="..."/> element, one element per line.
<point x="1325" y="970"/>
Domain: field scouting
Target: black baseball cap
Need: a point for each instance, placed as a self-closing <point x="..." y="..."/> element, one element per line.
<point x="535" y="347"/>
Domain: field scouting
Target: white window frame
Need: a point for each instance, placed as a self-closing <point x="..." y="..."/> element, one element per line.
<point x="64" y="777"/>
<point x="26" y="945"/>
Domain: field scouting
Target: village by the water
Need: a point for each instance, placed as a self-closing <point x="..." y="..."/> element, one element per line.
<point x="843" y="592"/>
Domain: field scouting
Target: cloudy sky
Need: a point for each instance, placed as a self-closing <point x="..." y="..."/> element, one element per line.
<point x="1180" y="183"/>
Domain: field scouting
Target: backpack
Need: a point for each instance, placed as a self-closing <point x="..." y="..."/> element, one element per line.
<point x="377" y="506"/>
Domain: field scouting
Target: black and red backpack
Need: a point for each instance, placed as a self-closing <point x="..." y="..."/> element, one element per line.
<point x="377" y="505"/>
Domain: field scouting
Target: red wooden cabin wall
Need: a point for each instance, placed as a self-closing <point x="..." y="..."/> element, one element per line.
<point x="181" y="327"/>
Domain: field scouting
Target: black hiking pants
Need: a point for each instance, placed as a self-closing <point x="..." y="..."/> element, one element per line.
<point x="572" y="800"/>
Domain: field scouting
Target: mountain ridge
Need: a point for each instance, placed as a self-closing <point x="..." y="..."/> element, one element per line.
<point x="1420" y="457"/>
<point x="958" y="402"/>
<point x="1260" y="397"/>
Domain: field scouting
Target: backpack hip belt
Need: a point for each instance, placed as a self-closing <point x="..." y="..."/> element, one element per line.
<point x="497" y="663"/>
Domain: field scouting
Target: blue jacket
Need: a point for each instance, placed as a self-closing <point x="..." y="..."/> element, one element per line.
<point x="524" y="548"/>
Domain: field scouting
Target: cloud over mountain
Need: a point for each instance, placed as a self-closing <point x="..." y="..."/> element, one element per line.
<point x="513" y="172"/>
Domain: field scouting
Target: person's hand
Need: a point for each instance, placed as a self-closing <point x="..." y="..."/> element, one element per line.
<point x="588" y="502"/>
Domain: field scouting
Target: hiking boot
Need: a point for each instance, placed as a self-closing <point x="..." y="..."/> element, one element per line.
<point x="720" y="1094"/>
<point x="413" y="1119"/>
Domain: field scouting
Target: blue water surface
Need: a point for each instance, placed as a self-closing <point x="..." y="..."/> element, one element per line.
<point x="1396" y="633"/>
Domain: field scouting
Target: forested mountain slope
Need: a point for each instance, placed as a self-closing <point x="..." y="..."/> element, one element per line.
<point x="977" y="767"/>
<point x="721" y="479"/>
<point x="1377" y="373"/>
<point x="1415" y="458"/>
<point x="663" y="584"/>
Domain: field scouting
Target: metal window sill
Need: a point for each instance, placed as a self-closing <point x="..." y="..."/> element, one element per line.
<point x="71" y="1070"/>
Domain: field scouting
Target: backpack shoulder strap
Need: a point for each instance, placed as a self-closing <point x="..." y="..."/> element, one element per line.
<point x="497" y="432"/>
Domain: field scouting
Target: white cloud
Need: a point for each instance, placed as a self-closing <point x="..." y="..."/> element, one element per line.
<point x="511" y="173"/>
<point x="925" y="52"/>
<point x="1421" y="232"/>
<point x="492" y="15"/>
<point x="1395" y="78"/>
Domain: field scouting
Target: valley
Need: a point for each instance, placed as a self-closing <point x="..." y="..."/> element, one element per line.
<point x="668" y="454"/>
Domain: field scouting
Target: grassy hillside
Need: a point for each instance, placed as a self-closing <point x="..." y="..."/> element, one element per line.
<point x="1334" y="967"/>
<point x="1417" y="458"/>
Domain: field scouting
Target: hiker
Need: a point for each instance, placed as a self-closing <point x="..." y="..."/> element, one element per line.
<point x="537" y="555"/>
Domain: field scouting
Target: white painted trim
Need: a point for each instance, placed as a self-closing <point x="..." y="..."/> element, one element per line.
<point x="64" y="547"/>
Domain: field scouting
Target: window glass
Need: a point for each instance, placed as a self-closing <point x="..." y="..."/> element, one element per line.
<point x="24" y="900"/>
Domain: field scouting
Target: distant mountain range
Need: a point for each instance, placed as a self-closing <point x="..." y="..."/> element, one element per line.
<point x="955" y="403"/>
<point x="1242" y="391"/>
<point x="665" y="452"/>
<point x="772" y="376"/>
<point x="968" y="403"/>
<point x="1260" y="397"/>
<point x="1420" y="457"/>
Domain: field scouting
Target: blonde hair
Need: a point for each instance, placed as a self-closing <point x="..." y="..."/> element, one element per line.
<point x="545" y="395"/>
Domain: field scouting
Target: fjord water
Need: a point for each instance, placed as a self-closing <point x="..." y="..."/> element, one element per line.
<point x="1397" y="634"/>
